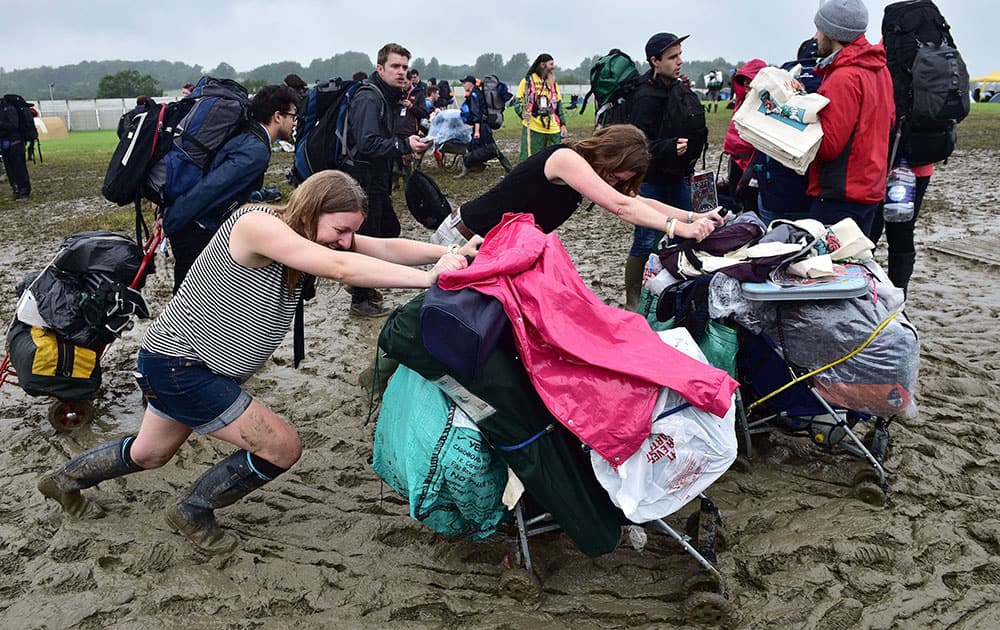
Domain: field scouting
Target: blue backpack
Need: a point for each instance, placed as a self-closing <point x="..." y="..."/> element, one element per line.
<point x="321" y="141"/>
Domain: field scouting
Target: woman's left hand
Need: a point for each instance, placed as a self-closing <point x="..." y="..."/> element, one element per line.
<point x="471" y="248"/>
<point x="698" y="230"/>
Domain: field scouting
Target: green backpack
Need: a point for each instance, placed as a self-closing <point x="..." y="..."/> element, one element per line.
<point x="612" y="80"/>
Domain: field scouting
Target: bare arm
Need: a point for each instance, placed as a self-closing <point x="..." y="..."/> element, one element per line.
<point x="570" y="168"/>
<point x="407" y="252"/>
<point x="259" y="239"/>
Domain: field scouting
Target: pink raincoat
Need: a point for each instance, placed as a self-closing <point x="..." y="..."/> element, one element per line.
<point x="598" y="368"/>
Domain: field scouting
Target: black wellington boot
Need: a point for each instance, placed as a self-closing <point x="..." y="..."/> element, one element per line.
<point x="223" y="484"/>
<point x="86" y="470"/>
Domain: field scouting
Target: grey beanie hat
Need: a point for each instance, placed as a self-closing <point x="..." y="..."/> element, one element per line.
<point x="842" y="20"/>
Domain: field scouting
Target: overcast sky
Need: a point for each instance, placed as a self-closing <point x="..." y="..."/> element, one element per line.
<point x="250" y="33"/>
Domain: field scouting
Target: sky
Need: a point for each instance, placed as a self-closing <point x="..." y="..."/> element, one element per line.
<point x="249" y="33"/>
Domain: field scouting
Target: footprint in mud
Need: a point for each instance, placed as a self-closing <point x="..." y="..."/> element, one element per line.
<point x="312" y="439"/>
<point x="76" y="550"/>
<point x="842" y="615"/>
<point x="155" y="558"/>
<point x="984" y="574"/>
<point x="867" y="555"/>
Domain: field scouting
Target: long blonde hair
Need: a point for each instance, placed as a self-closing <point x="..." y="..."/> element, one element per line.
<point x="614" y="149"/>
<point x="325" y="192"/>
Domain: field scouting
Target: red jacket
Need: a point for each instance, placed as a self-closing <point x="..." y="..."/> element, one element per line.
<point x="851" y="164"/>
<point x="734" y="145"/>
<point x="597" y="368"/>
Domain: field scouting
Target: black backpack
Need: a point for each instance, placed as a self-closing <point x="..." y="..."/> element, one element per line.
<point x="929" y="78"/>
<point x="613" y="78"/>
<point x="168" y="148"/>
<point x="17" y="121"/>
<point x="324" y="145"/>
<point x="426" y="202"/>
<point x="84" y="295"/>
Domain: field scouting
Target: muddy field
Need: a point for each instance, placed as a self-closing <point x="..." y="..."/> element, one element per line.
<point x="327" y="545"/>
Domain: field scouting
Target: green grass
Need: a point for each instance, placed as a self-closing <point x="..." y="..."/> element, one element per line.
<point x="73" y="168"/>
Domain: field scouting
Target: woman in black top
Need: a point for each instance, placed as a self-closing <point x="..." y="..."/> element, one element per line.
<point x="606" y="168"/>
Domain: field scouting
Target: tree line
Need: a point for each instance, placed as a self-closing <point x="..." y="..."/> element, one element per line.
<point x="120" y="78"/>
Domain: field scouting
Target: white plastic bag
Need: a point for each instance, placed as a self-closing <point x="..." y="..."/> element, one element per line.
<point x="687" y="450"/>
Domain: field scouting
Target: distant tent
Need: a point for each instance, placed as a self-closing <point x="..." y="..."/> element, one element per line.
<point x="993" y="77"/>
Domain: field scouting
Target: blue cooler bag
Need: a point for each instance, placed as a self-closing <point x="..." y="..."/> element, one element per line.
<point x="461" y="328"/>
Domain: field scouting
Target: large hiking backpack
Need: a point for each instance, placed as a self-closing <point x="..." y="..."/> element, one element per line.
<point x="314" y="104"/>
<point x="324" y="145"/>
<point x="612" y="80"/>
<point x="929" y="79"/>
<point x="84" y="294"/>
<point x="495" y="94"/>
<point x="169" y="148"/>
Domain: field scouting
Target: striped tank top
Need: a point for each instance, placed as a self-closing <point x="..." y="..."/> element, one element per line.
<point x="230" y="317"/>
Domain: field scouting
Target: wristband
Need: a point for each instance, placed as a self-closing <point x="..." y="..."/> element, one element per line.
<point x="690" y="217"/>
<point x="453" y="249"/>
<point x="671" y="225"/>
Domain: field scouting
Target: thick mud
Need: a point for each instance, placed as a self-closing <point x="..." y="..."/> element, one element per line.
<point x="327" y="545"/>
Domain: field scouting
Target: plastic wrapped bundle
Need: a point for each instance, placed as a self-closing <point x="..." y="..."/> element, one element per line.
<point x="882" y="378"/>
<point x="447" y="126"/>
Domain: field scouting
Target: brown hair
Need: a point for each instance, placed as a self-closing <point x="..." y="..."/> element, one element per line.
<point x="325" y="192"/>
<point x="388" y="49"/>
<point x="614" y="149"/>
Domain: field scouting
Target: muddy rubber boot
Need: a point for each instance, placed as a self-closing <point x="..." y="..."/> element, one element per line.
<point x="223" y="484"/>
<point x="900" y="269"/>
<point x="634" y="268"/>
<point x="86" y="470"/>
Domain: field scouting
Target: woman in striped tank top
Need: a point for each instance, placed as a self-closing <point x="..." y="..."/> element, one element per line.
<point x="227" y="318"/>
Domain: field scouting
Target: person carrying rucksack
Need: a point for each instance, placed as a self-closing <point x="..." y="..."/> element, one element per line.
<point x="847" y="177"/>
<point x="17" y="129"/>
<point x="540" y="107"/>
<point x="375" y="150"/>
<point x="673" y="120"/>
<point x="483" y="147"/>
<point x="236" y="171"/>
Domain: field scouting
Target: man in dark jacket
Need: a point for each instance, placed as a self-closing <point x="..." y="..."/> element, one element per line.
<point x="847" y="177"/>
<point x="237" y="170"/>
<point x="373" y="150"/>
<point x="673" y="119"/>
<point x="17" y="128"/>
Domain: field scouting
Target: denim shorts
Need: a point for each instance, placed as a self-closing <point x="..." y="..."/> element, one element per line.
<point x="188" y="392"/>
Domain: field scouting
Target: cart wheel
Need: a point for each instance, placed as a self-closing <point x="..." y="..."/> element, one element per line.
<point x="520" y="584"/>
<point x="870" y="493"/>
<point x="708" y="608"/>
<point x="66" y="416"/>
<point x="691" y="529"/>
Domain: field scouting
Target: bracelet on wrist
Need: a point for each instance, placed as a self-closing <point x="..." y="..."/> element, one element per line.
<point x="453" y="249"/>
<point x="690" y="217"/>
<point x="671" y="226"/>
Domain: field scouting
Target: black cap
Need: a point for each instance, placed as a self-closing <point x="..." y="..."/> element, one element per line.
<point x="469" y="79"/>
<point x="660" y="42"/>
